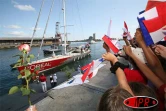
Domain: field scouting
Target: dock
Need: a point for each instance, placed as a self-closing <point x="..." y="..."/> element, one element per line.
<point x="83" y="97"/>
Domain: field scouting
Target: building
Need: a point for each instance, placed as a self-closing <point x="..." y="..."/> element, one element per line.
<point x="94" y="36"/>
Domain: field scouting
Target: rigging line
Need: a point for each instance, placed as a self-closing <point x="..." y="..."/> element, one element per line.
<point x="36" y="24"/>
<point x="80" y="18"/>
<point x="73" y="18"/>
<point x="45" y="28"/>
<point x="60" y="11"/>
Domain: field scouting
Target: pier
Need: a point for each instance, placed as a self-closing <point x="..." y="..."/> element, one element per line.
<point x="83" y="97"/>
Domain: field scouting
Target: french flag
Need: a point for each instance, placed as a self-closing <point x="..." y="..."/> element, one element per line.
<point x="88" y="69"/>
<point x="126" y="32"/>
<point x="151" y="24"/>
<point x="108" y="41"/>
<point x="154" y="3"/>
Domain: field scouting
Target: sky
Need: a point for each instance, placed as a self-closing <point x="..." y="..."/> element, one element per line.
<point x="84" y="17"/>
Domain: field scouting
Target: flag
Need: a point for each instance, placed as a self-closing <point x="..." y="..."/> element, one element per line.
<point x="90" y="68"/>
<point x="126" y="32"/>
<point x="84" y="68"/>
<point x="155" y="28"/>
<point x="154" y="3"/>
<point x="125" y="26"/>
<point x="109" y="26"/>
<point x="164" y="32"/>
<point x="108" y="41"/>
<point x="145" y="18"/>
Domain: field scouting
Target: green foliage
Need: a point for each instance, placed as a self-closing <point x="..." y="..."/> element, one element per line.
<point x="27" y="73"/>
<point x="23" y="60"/>
<point x="28" y="59"/>
<point x="17" y="65"/>
<point x="31" y="56"/>
<point x="13" y="90"/>
<point x="25" y="91"/>
<point x="68" y="71"/>
<point x="19" y="76"/>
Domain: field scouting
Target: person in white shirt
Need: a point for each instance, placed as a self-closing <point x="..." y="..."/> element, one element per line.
<point x="51" y="81"/>
<point x="55" y="79"/>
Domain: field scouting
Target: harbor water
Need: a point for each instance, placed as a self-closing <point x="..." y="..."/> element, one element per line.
<point x="8" y="77"/>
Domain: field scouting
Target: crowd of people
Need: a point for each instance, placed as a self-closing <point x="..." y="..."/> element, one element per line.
<point x="147" y="77"/>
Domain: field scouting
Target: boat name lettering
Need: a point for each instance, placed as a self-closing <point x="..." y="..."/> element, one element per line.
<point x="41" y="66"/>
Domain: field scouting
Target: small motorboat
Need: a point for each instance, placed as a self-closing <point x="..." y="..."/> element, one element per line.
<point x="52" y="50"/>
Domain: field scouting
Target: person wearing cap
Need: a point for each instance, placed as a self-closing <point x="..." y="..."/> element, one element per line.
<point x="51" y="81"/>
<point x="42" y="79"/>
<point x="55" y="79"/>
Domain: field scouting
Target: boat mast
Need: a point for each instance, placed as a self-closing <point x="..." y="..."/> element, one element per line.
<point x="64" y="22"/>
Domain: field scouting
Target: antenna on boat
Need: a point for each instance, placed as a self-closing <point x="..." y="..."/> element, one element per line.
<point x="64" y="22"/>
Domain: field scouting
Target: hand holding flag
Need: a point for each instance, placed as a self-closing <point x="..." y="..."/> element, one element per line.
<point x="108" y="41"/>
<point x="126" y="33"/>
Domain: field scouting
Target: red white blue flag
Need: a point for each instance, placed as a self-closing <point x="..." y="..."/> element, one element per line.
<point x="88" y="69"/>
<point x="153" y="3"/>
<point x="152" y="22"/>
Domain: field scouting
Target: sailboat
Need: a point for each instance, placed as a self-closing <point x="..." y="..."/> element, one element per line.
<point x="57" y="60"/>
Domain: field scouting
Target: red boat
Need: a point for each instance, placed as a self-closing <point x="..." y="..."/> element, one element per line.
<point x="52" y="62"/>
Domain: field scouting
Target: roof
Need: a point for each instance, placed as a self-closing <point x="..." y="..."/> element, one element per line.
<point x="23" y="38"/>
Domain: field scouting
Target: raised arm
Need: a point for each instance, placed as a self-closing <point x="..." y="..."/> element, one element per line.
<point x="161" y="50"/>
<point x="143" y="67"/>
<point x="151" y="58"/>
<point x="119" y="73"/>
